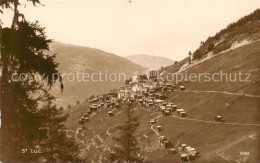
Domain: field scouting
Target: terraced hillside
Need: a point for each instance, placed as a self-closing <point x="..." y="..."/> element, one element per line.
<point x="236" y="140"/>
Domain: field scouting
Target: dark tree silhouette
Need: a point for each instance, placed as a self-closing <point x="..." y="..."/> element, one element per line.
<point x="24" y="126"/>
<point x="56" y="144"/>
<point x="190" y="54"/>
<point x="127" y="145"/>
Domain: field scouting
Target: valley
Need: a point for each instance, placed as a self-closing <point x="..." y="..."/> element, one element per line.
<point x="238" y="103"/>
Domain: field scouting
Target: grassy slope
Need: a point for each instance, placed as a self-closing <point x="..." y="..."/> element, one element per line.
<point x="212" y="138"/>
<point x="245" y="59"/>
<point x="215" y="141"/>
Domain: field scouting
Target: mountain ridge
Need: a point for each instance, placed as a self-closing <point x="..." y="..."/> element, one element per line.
<point x="150" y="61"/>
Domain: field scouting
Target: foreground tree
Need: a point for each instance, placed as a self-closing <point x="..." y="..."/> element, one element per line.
<point x="57" y="145"/>
<point x="127" y="149"/>
<point x="26" y="135"/>
<point x="190" y="57"/>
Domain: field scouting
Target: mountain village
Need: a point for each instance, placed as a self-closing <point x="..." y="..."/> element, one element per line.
<point x="146" y="90"/>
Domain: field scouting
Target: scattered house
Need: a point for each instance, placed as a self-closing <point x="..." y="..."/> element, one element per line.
<point x="160" y="139"/>
<point x="167" y="112"/>
<point x="183" y="146"/>
<point x="94" y="100"/>
<point x="164" y="103"/>
<point x="121" y="94"/>
<point x="113" y="103"/>
<point x="192" y="153"/>
<point x="173" y="151"/>
<point x="93" y="107"/>
<point x="107" y="104"/>
<point x="117" y="105"/>
<point x="184" y="158"/>
<point x="158" y="101"/>
<point x="140" y="101"/>
<point x="162" y="108"/>
<point x="174" y="107"/>
<point x="180" y="149"/>
<point x="149" y="103"/>
<point x="183" y="114"/>
<point x="152" y="74"/>
<point x="164" y="88"/>
<point x="152" y="121"/>
<point x="218" y="118"/>
<point x="159" y="128"/>
<point x="179" y="111"/>
<point x="166" y="144"/>
<point x="182" y="88"/>
<point x="85" y="118"/>
<point x="110" y="114"/>
<point x="80" y="129"/>
<point x="186" y="149"/>
<point x="168" y="106"/>
<point x="169" y="86"/>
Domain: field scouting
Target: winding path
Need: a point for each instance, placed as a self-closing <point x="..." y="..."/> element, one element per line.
<point x="157" y="118"/>
<point x="154" y="130"/>
<point x="223" y="92"/>
<point x="213" y="122"/>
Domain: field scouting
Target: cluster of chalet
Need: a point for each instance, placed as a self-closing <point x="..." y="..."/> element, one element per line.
<point x="150" y="90"/>
<point x="147" y="89"/>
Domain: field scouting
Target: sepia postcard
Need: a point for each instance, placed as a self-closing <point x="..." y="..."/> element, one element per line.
<point x="130" y="81"/>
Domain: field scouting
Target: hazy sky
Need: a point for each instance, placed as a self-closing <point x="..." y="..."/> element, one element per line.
<point x="168" y="28"/>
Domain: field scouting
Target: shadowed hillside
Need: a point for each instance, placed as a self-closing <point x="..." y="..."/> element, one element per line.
<point x="80" y="59"/>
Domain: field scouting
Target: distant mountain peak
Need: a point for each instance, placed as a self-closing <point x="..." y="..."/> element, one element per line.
<point x="150" y="61"/>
